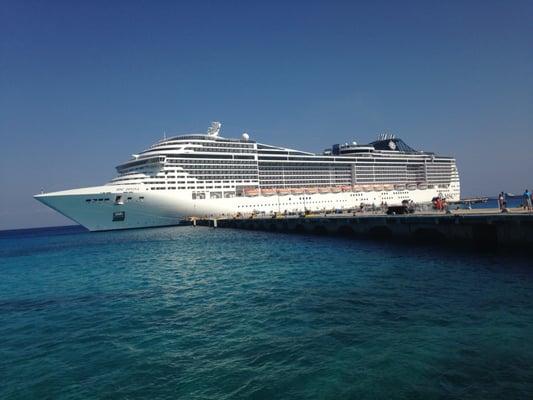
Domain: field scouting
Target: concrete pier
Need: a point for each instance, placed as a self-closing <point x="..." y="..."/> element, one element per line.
<point x="484" y="228"/>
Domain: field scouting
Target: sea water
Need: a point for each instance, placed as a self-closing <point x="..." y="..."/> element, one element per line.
<point x="201" y="313"/>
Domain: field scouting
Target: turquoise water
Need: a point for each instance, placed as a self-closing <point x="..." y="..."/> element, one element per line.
<point x="199" y="313"/>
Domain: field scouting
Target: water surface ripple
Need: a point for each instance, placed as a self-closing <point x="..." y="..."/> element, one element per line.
<point x="199" y="313"/>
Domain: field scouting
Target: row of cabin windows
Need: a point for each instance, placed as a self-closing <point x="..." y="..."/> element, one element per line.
<point x="107" y="199"/>
<point x="206" y="143"/>
<point x="293" y="203"/>
<point x="193" y="187"/>
<point x="170" y="188"/>
<point x="315" y="182"/>
<point x="200" y="161"/>
<point x="237" y="178"/>
<point x="265" y="171"/>
<point x="404" y="197"/>
<point x="211" y="149"/>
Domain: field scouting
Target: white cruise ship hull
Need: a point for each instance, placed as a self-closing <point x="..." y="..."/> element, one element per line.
<point x="202" y="175"/>
<point x="98" y="209"/>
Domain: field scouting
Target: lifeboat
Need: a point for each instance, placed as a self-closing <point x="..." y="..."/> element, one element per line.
<point x="367" y="188"/>
<point x="268" y="192"/>
<point x="311" y="190"/>
<point x="251" y="192"/>
<point x="283" y="192"/>
<point x="324" y="190"/>
<point x="336" y="189"/>
<point x="297" y="191"/>
<point x="411" y="186"/>
<point x="399" y="187"/>
<point x="346" y="188"/>
<point x="357" y="188"/>
<point x="378" y="188"/>
<point x="422" y="186"/>
<point x="388" y="187"/>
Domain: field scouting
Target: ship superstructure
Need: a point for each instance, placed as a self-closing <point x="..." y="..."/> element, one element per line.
<point x="206" y="174"/>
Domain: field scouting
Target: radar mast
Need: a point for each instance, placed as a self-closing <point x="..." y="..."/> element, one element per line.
<point x="214" y="129"/>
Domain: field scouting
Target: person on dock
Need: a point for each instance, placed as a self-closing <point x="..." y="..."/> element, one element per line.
<point x="500" y="201"/>
<point x="504" y="203"/>
<point x="527" y="200"/>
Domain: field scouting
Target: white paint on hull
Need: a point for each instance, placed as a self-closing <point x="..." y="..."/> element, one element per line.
<point x="162" y="208"/>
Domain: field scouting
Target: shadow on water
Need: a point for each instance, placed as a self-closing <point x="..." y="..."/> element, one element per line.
<point x="46" y="231"/>
<point x="484" y="242"/>
<point x="426" y="245"/>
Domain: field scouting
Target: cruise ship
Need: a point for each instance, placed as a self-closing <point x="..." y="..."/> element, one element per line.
<point x="209" y="175"/>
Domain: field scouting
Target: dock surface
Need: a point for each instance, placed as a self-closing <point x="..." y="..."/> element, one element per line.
<point x="487" y="228"/>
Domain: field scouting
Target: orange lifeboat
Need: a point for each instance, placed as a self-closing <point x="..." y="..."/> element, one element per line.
<point x="268" y="192"/>
<point x="378" y="188"/>
<point x="283" y="192"/>
<point x="388" y="187"/>
<point x="251" y="192"/>
<point x="357" y="188"/>
<point x="346" y="188"/>
<point x="336" y="189"/>
<point x="297" y="191"/>
<point x="311" y="190"/>
<point x="324" y="190"/>
<point x="367" y="188"/>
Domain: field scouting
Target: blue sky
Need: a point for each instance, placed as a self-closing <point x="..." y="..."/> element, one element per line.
<point x="85" y="84"/>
